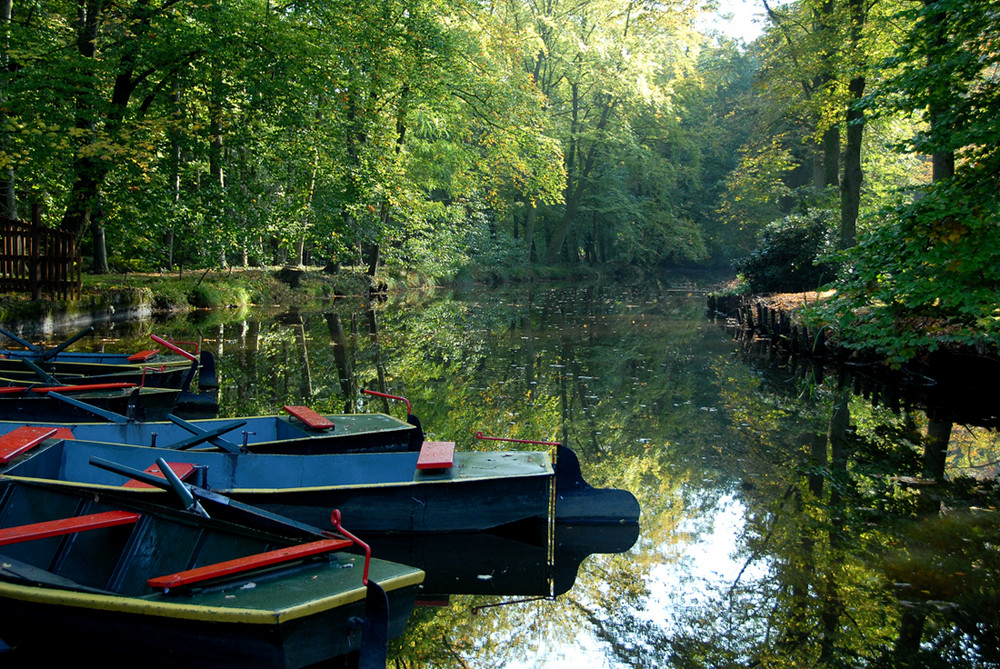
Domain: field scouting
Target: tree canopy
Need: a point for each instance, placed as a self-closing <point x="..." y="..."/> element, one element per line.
<point x="442" y="135"/>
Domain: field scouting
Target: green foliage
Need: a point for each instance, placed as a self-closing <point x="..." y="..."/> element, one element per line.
<point x="927" y="274"/>
<point x="792" y="255"/>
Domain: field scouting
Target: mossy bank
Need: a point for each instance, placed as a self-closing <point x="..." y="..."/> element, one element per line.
<point x="143" y="295"/>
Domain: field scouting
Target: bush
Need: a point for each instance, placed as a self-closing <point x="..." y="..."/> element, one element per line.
<point x="206" y="296"/>
<point x="790" y="255"/>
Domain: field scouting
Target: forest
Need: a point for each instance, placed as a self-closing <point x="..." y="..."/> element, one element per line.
<point x="853" y="145"/>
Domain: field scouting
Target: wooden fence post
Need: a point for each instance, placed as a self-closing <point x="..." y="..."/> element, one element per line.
<point x="36" y="242"/>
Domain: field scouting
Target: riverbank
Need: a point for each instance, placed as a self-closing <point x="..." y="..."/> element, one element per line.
<point x="119" y="296"/>
<point x="136" y="295"/>
<point x="950" y="380"/>
<point x="236" y="288"/>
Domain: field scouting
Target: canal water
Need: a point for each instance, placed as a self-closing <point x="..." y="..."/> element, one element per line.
<point x="786" y="521"/>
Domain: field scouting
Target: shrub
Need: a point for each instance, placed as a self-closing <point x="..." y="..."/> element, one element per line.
<point x="790" y="255"/>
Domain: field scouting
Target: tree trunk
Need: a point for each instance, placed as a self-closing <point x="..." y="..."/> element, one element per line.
<point x="89" y="172"/>
<point x="943" y="162"/>
<point x="936" y="448"/>
<point x="831" y="157"/>
<point x="577" y="185"/>
<point x="911" y="629"/>
<point x="529" y="231"/>
<point x="8" y="196"/>
<point x="850" y="190"/>
<point x="373" y="258"/>
<point x="100" y="264"/>
<point x="831" y="136"/>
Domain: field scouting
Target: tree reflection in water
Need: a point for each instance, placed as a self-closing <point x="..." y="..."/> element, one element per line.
<point x="786" y="521"/>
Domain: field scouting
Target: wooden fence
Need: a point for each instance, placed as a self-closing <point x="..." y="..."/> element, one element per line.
<point x="35" y="259"/>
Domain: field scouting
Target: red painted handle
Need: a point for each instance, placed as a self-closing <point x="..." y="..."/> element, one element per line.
<point x="391" y="397"/>
<point x="175" y="349"/>
<point x="83" y="386"/>
<point x="335" y="519"/>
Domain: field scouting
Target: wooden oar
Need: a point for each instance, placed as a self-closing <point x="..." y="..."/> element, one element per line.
<point x="97" y="411"/>
<point x="213" y="439"/>
<point x="27" y="344"/>
<point x="259" y="516"/>
<point x="211" y="436"/>
<point x="41" y="373"/>
<point x="52" y="352"/>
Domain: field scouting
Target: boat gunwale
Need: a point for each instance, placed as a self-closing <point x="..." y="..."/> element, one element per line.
<point x="421" y="478"/>
<point x="156" y="604"/>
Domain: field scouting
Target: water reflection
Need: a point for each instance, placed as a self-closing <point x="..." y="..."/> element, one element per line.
<point x="785" y="522"/>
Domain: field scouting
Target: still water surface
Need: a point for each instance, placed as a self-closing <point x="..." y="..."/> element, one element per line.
<point x="770" y="535"/>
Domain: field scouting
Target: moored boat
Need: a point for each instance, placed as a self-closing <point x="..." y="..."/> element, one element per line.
<point x="435" y="490"/>
<point x="22" y="404"/>
<point x="302" y="431"/>
<point x="109" y="574"/>
<point x="150" y="367"/>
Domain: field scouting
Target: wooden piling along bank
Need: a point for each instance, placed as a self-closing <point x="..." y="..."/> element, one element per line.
<point x="951" y="384"/>
<point x="753" y="315"/>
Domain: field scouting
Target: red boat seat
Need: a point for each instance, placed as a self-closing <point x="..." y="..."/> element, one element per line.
<point x="436" y="455"/>
<point x="309" y="417"/>
<point x="22" y="439"/>
<point x="53" y="528"/>
<point x="182" y="469"/>
<point x="230" y="567"/>
<point x="142" y="356"/>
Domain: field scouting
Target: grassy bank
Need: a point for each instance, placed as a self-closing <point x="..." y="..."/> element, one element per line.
<point x="178" y="292"/>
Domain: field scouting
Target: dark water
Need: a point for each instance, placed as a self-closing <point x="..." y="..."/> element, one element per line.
<point x="786" y="522"/>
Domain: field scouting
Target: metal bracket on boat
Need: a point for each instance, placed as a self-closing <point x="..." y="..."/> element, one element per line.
<point x="45" y="376"/>
<point x="479" y="435"/>
<point x="417" y="438"/>
<point x="148" y="368"/>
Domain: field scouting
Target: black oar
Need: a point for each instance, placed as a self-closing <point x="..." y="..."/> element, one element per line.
<point x="52" y="352"/>
<point x="97" y="411"/>
<point x="181" y="490"/>
<point x="259" y="517"/>
<point x="27" y="344"/>
<point x="201" y="436"/>
<point x="211" y="436"/>
<point x="41" y="373"/>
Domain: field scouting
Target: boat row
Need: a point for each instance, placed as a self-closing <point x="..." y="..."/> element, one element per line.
<point x="146" y="385"/>
<point x="220" y="541"/>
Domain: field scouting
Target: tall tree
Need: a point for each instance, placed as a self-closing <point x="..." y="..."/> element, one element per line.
<point x="933" y="258"/>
